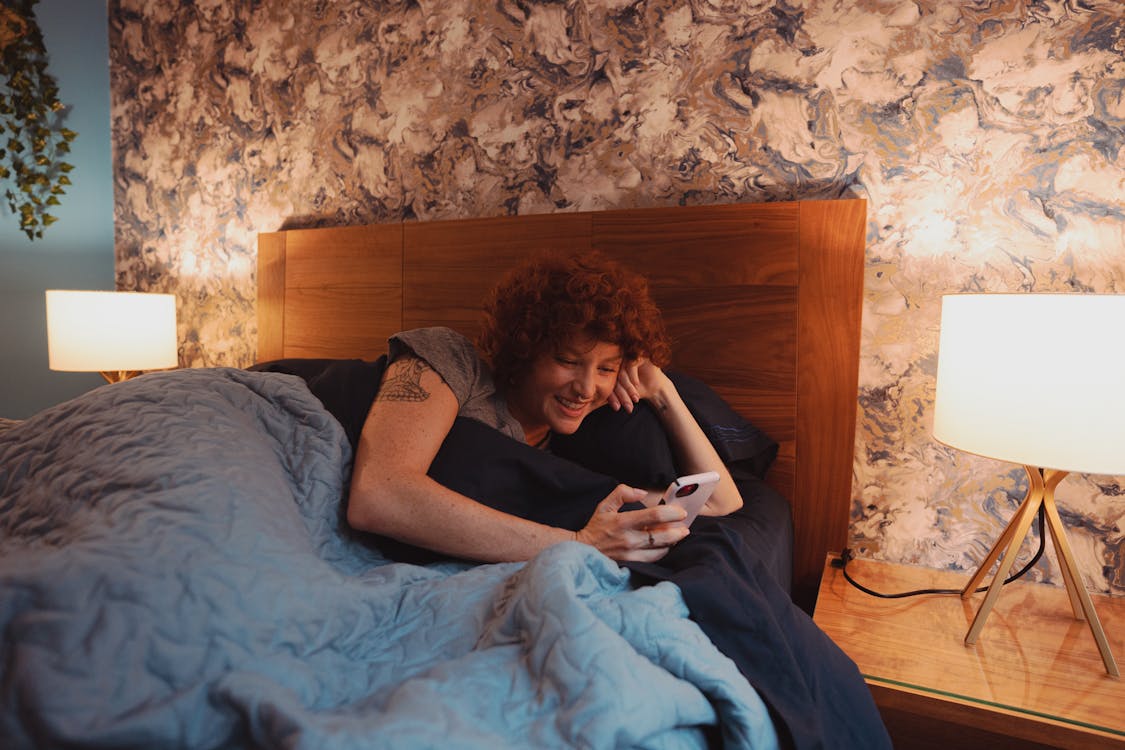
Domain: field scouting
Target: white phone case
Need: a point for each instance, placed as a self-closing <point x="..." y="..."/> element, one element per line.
<point x="691" y="492"/>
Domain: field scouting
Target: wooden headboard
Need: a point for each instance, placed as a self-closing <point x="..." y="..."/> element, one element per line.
<point x="762" y="302"/>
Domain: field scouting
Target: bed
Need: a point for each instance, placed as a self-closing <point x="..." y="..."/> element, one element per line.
<point x="176" y="570"/>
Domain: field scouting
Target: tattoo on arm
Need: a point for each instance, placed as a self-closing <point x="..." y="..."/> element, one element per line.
<point x="405" y="383"/>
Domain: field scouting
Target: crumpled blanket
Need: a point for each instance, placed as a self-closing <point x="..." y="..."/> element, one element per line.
<point x="175" y="571"/>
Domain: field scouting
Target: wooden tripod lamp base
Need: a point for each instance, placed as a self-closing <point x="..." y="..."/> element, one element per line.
<point x="116" y="376"/>
<point x="1040" y="493"/>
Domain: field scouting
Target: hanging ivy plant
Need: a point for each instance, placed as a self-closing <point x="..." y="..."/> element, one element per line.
<point x="33" y="141"/>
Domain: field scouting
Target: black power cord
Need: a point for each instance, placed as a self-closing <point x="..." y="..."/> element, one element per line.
<point x="841" y="564"/>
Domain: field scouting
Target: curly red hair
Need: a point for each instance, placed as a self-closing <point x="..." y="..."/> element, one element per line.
<point x="541" y="306"/>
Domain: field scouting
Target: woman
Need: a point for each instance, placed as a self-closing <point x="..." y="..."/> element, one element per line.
<point x="561" y="338"/>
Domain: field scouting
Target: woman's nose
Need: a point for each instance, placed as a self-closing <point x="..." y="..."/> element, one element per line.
<point x="586" y="383"/>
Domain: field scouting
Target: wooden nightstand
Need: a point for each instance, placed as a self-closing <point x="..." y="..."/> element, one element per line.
<point x="1034" y="678"/>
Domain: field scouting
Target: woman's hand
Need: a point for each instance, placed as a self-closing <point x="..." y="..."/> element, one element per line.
<point x="639" y="535"/>
<point x="637" y="379"/>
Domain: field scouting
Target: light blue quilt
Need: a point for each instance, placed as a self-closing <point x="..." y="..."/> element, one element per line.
<point x="175" y="572"/>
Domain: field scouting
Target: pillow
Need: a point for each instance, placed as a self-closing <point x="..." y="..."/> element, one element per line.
<point x="735" y="438"/>
<point x="346" y="387"/>
<point x="503" y="473"/>
<point x="483" y="463"/>
<point x="634" y="447"/>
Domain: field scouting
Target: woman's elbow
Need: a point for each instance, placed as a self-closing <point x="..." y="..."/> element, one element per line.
<point x="366" y="506"/>
<point x="359" y="514"/>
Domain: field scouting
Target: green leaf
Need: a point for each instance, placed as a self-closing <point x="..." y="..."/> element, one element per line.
<point x="32" y="116"/>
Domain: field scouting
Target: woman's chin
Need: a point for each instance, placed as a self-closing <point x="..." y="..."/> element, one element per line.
<point x="567" y="425"/>
<point x="566" y="422"/>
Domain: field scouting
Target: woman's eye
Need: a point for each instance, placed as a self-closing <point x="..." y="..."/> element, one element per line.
<point x="609" y="370"/>
<point x="565" y="361"/>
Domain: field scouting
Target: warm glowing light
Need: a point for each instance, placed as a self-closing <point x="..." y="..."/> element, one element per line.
<point x="110" y="331"/>
<point x="1036" y="379"/>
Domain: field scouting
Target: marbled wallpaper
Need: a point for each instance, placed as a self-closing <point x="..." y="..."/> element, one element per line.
<point x="987" y="136"/>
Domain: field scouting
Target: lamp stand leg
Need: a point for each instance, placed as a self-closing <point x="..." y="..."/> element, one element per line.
<point x="1041" y="492"/>
<point x="1028" y="508"/>
<point x="116" y="376"/>
<point x="1015" y="533"/>
<point x="1058" y="538"/>
<point x="1076" y="589"/>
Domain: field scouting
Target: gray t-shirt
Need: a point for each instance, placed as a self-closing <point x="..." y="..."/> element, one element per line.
<point x="455" y="359"/>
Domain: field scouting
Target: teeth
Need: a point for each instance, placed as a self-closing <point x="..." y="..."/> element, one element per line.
<point x="571" y="404"/>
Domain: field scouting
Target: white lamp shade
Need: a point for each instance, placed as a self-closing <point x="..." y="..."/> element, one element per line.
<point x="110" y="331"/>
<point x="1037" y="379"/>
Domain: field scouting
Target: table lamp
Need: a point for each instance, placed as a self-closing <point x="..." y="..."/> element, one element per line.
<point x="118" y="334"/>
<point x="1034" y="379"/>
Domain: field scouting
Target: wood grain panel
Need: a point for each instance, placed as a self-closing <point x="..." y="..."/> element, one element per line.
<point x="747" y="333"/>
<point x="344" y="257"/>
<point x="704" y="245"/>
<point x="343" y="290"/>
<point x="830" y="298"/>
<point x="341" y="323"/>
<point x="783" y="474"/>
<point x="271" y="296"/>
<point x="452" y="265"/>
<point x="742" y="341"/>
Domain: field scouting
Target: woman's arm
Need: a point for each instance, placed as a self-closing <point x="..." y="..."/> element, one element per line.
<point x="694" y="452"/>
<point x="392" y="495"/>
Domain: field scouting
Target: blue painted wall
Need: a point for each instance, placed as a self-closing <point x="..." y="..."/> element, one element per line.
<point x="77" y="251"/>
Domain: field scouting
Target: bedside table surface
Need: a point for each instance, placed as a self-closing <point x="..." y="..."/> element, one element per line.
<point x="1034" y="672"/>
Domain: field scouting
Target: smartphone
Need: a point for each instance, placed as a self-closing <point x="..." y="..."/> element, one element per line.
<point x="690" y="493"/>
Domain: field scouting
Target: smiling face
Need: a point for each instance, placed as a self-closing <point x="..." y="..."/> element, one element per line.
<point x="562" y="387"/>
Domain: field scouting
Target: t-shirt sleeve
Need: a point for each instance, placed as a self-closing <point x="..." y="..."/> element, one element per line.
<point x="450" y="354"/>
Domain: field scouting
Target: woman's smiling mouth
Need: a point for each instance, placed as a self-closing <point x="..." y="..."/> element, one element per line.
<point x="573" y="408"/>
